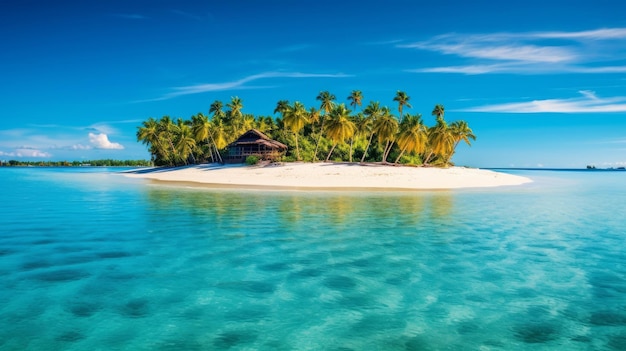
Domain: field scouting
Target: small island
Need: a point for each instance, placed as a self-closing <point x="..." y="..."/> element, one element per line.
<point x="330" y="147"/>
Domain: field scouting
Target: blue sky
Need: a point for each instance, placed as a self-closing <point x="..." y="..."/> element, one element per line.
<point x="541" y="83"/>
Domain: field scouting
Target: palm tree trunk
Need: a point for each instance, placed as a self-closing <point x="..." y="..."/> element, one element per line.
<point x="453" y="151"/>
<point x="427" y="159"/>
<point x="399" y="156"/>
<point x="449" y="157"/>
<point x="331" y="152"/>
<point x="174" y="153"/>
<point x="317" y="144"/>
<point x="217" y="152"/>
<point x="210" y="149"/>
<point x="351" y="142"/>
<point x="297" y="148"/>
<point x="387" y="150"/>
<point x="367" y="147"/>
<point x="211" y="153"/>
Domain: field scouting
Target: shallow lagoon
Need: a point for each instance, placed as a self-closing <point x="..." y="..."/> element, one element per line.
<point x="92" y="260"/>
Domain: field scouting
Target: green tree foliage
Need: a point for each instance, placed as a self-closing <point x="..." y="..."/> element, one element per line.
<point x="86" y="163"/>
<point x="333" y="131"/>
<point x="339" y="127"/>
<point x="295" y="118"/>
<point x="403" y="100"/>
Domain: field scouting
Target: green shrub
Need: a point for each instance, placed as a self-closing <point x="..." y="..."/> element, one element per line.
<point x="252" y="160"/>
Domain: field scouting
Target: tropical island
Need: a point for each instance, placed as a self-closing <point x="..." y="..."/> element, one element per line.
<point x="362" y="147"/>
<point x="331" y="132"/>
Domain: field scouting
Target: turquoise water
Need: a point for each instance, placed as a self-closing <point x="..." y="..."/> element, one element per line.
<point x="91" y="260"/>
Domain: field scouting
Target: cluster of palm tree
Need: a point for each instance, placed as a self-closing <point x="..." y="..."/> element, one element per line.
<point x="330" y="132"/>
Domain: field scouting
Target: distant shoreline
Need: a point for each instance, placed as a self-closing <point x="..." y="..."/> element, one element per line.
<point x="330" y="176"/>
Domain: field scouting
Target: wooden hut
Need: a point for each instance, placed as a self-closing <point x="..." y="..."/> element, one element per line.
<point x="254" y="143"/>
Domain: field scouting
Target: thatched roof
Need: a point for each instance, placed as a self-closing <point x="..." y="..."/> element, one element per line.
<point x="255" y="137"/>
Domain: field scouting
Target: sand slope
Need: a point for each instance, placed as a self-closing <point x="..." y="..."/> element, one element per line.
<point x="332" y="176"/>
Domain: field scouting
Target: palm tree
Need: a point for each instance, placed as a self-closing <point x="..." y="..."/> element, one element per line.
<point x="413" y="135"/>
<point x="372" y="112"/>
<point x="168" y="131"/>
<point x="247" y="122"/>
<point x="326" y="99"/>
<point x="202" y="130"/>
<point x="360" y="123"/>
<point x="355" y="98"/>
<point x="438" y="111"/>
<point x="440" y="140"/>
<point x="235" y="105"/>
<point x="148" y="134"/>
<point x="386" y="127"/>
<point x="326" y="105"/>
<point x="216" y="109"/>
<point x="185" y="141"/>
<point x="264" y="124"/>
<point x="235" y="115"/>
<point x="460" y="131"/>
<point x="403" y="100"/>
<point x="295" y="118"/>
<point x="219" y="135"/>
<point x="281" y="107"/>
<point x="339" y="127"/>
<point x="314" y="117"/>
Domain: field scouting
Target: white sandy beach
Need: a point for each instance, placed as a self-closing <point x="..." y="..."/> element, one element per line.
<point x="332" y="176"/>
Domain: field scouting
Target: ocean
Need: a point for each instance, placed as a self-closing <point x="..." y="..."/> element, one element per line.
<point x="92" y="260"/>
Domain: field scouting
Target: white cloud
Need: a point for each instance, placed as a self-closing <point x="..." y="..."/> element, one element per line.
<point x="239" y="84"/>
<point x="588" y="103"/>
<point x="471" y="69"/>
<point x="479" y="47"/>
<point x="593" y="51"/>
<point x="101" y="141"/>
<point x="26" y="153"/>
<point x="597" y="34"/>
<point x="81" y="147"/>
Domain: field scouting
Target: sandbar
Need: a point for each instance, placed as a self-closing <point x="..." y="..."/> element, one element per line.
<point x="329" y="176"/>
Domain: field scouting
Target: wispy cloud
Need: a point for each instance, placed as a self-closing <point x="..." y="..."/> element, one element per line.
<point x="239" y="84"/>
<point x="26" y="153"/>
<point x="102" y="127"/>
<point x="593" y="51"/>
<point x="589" y="102"/>
<point x="597" y="34"/>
